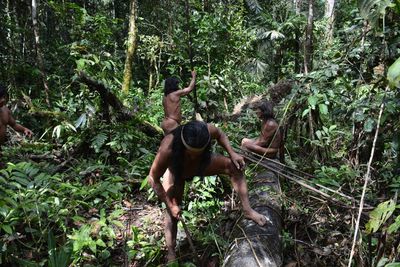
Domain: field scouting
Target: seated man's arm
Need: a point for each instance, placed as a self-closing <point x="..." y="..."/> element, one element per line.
<point x="262" y="145"/>
<point x="18" y="127"/>
<point x="223" y="141"/>
<point x="256" y="147"/>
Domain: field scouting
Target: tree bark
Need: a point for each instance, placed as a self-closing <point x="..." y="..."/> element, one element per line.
<point x="297" y="6"/>
<point x="39" y="52"/>
<point x="131" y="47"/>
<point x="308" y="44"/>
<point x="254" y="245"/>
<point x="330" y="15"/>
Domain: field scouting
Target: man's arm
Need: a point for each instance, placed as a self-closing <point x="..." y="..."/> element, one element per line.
<point x="223" y="140"/>
<point x="256" y="147"/>
<point x="188" y="89"/>
<point x="18" y="127"/>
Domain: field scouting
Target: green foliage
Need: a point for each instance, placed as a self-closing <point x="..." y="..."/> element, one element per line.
<point x="98" y="237"/>
<point x="393" y="75"/>
<point x="380" y="215"/>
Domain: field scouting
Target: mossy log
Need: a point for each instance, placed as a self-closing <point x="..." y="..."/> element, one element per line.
<point x="252" y="244"/>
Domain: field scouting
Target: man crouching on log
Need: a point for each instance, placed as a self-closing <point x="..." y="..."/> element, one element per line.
<point x="185" y="153"/>
<point x="270" y="142"/>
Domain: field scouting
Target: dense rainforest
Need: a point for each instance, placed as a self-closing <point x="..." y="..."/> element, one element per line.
<point x="87" y="77"/>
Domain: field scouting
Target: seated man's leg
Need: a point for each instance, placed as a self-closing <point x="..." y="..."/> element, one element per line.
<point x="223" y="165"/>
<point x="175" y="192"/>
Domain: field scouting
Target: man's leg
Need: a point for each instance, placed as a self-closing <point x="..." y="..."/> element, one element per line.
<point x="175" y="192"/>
<point x="223" y="165"/>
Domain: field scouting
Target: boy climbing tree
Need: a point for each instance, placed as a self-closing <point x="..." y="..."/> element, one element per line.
<point x="172" y="102"/>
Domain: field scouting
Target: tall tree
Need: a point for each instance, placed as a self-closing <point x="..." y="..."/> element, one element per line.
<point x="308" y="44"/>
<point x="39" y="55"/>
<point x="330" y="16"/>
<point x="131" y="47"/>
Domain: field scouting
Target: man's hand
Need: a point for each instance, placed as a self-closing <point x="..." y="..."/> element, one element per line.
<point x="28" y="132"/>
<point x="193" y="74"/>
<point x="238" y="161"/>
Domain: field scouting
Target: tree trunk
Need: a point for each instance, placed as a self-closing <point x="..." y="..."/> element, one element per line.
<point x="38" y="51"/>
<point x="308" y="44"/>
<point x="130" y="51"/>
<point x="330" y="15"/>
<point x="297" y="6"/>
<point x="190" y="53"/>
<point x="254" y="245"/>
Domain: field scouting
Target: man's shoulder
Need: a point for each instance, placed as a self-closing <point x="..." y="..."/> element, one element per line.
<point x="5" y="110"/>
<point x="166" y="143"/>
<point x="271" y="123"/>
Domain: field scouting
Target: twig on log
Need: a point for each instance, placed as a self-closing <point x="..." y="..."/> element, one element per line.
<point x="251" y="245"/>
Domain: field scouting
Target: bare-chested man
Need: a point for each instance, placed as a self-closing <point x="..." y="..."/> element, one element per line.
<point x="172" y="102"/>
<point x="6" y="118"/>
<point x="185" y="153"/>
<point x="270" y="141"/>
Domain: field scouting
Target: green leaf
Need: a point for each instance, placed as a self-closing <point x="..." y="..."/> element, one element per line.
<point x="323" y="109"/>
<point x="394" y="227"/>
<point x="380" y="215"/>
<point x="312" y="101"/>
<point x="7" y="228"/>
<point x="318" y="134"/>
<point x="100" y="243"/>
<point x="144" y="183"/>
<point x="393" y="75"/>
<point x="305" y="112"/>
<point x="369" y="125"/>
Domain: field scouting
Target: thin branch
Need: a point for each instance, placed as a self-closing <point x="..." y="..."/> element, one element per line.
<point x="367" y="177"/>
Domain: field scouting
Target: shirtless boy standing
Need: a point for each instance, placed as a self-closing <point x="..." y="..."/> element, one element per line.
<point x="172" y="104"/>
<point x="6" y="118"/>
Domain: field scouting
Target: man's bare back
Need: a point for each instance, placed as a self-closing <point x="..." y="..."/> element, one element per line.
<point x="171" y="102"/>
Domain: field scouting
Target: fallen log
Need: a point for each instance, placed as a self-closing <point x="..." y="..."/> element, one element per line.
<point x="252" y="244"/>
<point x="111" y="100"/>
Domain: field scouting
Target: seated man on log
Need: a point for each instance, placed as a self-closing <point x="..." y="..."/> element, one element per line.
<point x="270" y="142"/>
<point x="171" y="102"/>
<point x="185" y="153"/>
<point x="6" y="118"/>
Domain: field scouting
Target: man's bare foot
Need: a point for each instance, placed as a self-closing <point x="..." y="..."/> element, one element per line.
<point x="256" y="217"/>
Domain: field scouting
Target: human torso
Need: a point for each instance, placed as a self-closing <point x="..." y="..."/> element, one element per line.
<point x="4" y="121"/>
<point x="271" y="136"/>
<point x="172" y="109"/>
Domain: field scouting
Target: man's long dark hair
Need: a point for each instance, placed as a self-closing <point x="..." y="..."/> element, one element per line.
<point x="195" y="134"/>
<point x="3" y="90"/>
<point x="171" y="85"/>
<point x="267" y="110"/>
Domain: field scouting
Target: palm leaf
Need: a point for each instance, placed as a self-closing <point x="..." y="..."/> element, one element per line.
<point x="371" y="10"/>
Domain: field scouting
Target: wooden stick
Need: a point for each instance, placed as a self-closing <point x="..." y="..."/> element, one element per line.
<point x="188" y="235"/>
